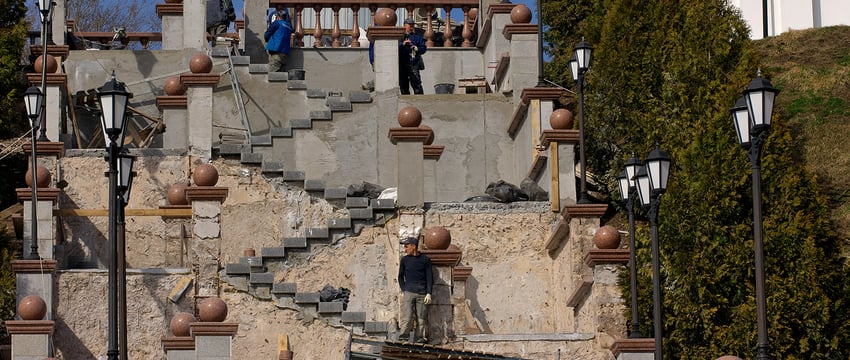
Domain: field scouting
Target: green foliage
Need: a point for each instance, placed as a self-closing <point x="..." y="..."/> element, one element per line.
<point x="7" y="282"/>
<point x="667" y="71"/>
<point x="13" y="32"/>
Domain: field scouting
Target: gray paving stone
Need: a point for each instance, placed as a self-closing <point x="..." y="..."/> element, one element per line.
<point x="278" y="76"/>
<point x="360" y="214"/>
<point x="301" y="124"/>
<point x="230" y="149"/>
<point x="360" y="97"/>
<point x="335" y="193"/>
<point x="261" y="140"/>
<point x="278" y="131"/>
<point x="338" y="104"/>
<point x="263" y="292"/>
<point x="251" y="158"/>
<point x="314" y="185"/>
<point x="258" y="68"/>
<point x="272" y="167"/>
<point x="252" y="261"/>
<point x="296" y="85"/>
<point x="321" y="115"/>
<point x="293" y="175"/>
<point x="375" y="327"/>
<point x="383" y="204"/>
<point x="241" y="60"/>
<point x="316" y="93"/>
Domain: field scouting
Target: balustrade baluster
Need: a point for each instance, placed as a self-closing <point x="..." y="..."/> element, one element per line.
<point x="467" y="31"/>
<point x="317" y="31"/>
<point x="299" y="26"/>
<point x="355" y="29"/>
<point x="429" y="31"/>
<point x="447" y="34"/>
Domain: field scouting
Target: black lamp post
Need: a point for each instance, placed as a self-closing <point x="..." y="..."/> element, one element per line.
<point x="651" y="184"/>
<point x="113" y="98"/>
<point x="45" y="7"/>
<point x="628" y="191"/>
<point x="579" y="65"/>
<point x="34" y="100"/>
<point x="125" y="184"/>
<point x="751" y="115"/>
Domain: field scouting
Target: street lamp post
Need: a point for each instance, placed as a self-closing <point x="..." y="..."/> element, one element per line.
<point x="34" y="100"/>
<point x="579" y="65"/>
<point x="125" y="184"/>
<point x="651" y="184"/>
<point x="751" y="115"/>
<point x="628" y="191"/>
<point x="45" y="7"/>
<point x="113" y="98"/>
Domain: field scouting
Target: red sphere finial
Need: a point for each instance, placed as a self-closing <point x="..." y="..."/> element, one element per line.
<point x="437" y="238"/>
<point x="385" y="17"/>
<point x="205" y="175"/>
<point x="200" y="64"/>
<point x="521" y="14"/>
<point x="409" y="116"/>
<point x="32" y="307"/>
<point x="213" y="310"/>
<point x="561" y="119"/>
<point x="42" y="177"/>
<point x="607" y="237"/>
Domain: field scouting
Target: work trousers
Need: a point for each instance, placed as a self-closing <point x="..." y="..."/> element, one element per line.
<point x="410" y="303"/>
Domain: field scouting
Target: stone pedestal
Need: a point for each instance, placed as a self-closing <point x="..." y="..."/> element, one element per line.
<point x="172" y="25"/>
<point x="385" y="40"/>
<point x="213" y="339"/>
<point x="561" y="145"/>
<point x="194" y="26"/>
<point x="206" y="235"/>
<point x="30" y="278"/>
<point x="410" y="168"/>
<point x="498" y="15"/>
<point x="634" y="349"/>
<point x="441" y="310"/>
<point x="178" y="347"/>
<point x="523" y="50"/>
<point x="31" y="339"/>
<point x="432" y="154"/>
<point x="55" y="84"/>
<point x="199" y="101"/>
<point x="463" y="323"/>
<point x="174" y="115"/>
<point x="47" y="197"/>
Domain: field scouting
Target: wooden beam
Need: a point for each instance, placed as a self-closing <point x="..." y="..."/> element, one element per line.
<point x="187" y="212"/>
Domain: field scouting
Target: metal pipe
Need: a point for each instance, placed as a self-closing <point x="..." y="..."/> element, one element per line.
<point x="635" y="333"/>
<point x="762" y="348"/>
<point x="656" y="276"/>
<point x="34" y="185"/>
<point x="583" y="197"/>
<point x="112" y="351"/>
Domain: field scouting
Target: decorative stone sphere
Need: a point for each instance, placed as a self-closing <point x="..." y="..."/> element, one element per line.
<point x="472" y="15"/>
<point x="32" y="307"/>
<point x="728" y="357"/>
<point x="520" y="14"/>
<point x="409" y="116"/>
<point x="177" y="194"/>
<point x="42" y="176"/>
<point x="52" y="65"/>
<point x="455" y="248"/>
<point x="200" y="64"/>
<point x="173" y="86"/>
<point x="385" y="17"/>
<point x="607" y="237"/>
<point x="212" y="310"/>
<point x="437" y="238"/>
<point x="430" y="139"/>
<point x="561" y="119"/>
<point x="205" y="175"/>
<point x="180" y="323"/>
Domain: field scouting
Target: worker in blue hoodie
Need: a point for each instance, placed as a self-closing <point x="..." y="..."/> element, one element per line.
<point x="410" y="50"/>
<point x="278" y="39"/>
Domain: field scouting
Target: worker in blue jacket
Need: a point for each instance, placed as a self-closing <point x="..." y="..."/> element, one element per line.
<point x="278" y="42"/>
<point x="410" y="50"/>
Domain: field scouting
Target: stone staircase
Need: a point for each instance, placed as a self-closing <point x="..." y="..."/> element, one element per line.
<point x="255" y="274"/>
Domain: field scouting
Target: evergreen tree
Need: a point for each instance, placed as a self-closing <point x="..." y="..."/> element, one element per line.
<point x="667" y="71"/>
<point x="13" y="33"/>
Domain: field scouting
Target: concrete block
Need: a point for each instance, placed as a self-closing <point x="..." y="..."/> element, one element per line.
<point x="239" y="282"/>
<point x="284" y="288"/>
<point x="230" y="149"/>
<point x="335" y="193"/>
<point x="241" y="60"/>
<point x="251" y="158"/>
<point x="375" y="327"/>
<point x="326" y="307"/>
<point x="314" y="185"/>
<point x="301" y="124"/>
<point x="295" y="242"/>
<point x="261" y="278"/>
<point x="219" y="51"/>
<point x="316" y="93"/>
<point x="30" y="346"/>
<point x="258" y="68"/>
<point x="339" y="104"/>
<point x="252" y="261"/>
<point x="296" y="85"/>
<point x="316" y="233"/>
<point x="280" y="132"/>
<point x="360" y="97"/>
<point x="278" y="76"/>
<point x="261" y="140"/>
<point x="293" y="175"/>
<point x="356" y="202"/>
<point x="360" y="214"/>
<point x="237" y="269"/>
<point x="353" y="316"/>
<point x="383" y="204"/>
<point x="343" y="223"/>
<point x="321" y="115"/>
<point x="212" y="347"/>
<point x="273" y="252"/>
<point x="307" y="298"/>
<point x="272" y="167"/>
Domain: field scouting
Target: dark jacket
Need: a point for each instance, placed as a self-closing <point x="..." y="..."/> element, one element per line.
<point x="415" y="275"/>
<point x="406" y="53"/>
<point x="278" y="36"/>
<point x="220" y="12"/>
